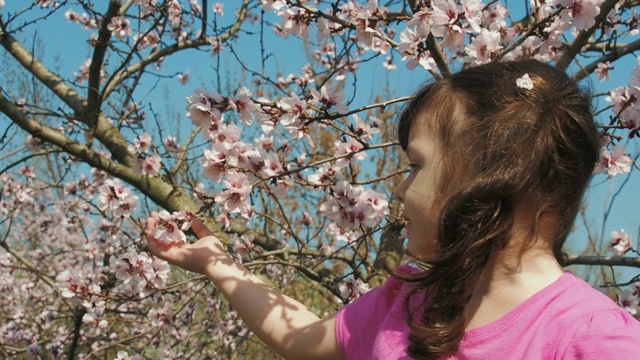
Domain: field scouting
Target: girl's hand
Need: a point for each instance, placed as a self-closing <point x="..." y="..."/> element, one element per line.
<point x="193" y="257"/>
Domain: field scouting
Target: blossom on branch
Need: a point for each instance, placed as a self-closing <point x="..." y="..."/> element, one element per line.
<point x="244" y="105"/>
<point x="581" y="13"/>
<point x="120" y="27"/>
<point x="235" y="197"/>
<point x="205" y="108"/>
<point x="629" y="301"/>
<point x="613" y="163"/>
<point x="329" y="97"/>
<point x="620" y="242"/>
<point x="113" y="196"/>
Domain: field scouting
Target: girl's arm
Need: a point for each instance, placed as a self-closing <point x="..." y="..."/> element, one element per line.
<point x="284" y="324"/>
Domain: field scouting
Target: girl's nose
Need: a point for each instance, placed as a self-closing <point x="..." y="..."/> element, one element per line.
<point x="400" y="190"/>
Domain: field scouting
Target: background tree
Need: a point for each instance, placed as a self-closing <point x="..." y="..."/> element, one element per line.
<point x="287" y="152"/>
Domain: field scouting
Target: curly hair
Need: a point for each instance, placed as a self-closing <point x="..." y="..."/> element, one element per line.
<point x="505" y="147"/>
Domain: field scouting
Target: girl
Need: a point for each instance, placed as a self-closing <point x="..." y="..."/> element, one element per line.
<point x="500" y="157"/>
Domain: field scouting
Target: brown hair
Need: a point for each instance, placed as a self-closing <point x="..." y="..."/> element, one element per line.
<point x="503" y="146"/>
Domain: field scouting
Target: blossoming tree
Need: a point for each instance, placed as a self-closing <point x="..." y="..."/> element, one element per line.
<point x="294" y="172"/>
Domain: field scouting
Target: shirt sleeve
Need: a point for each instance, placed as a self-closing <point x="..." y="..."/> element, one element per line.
<point x="603" y="334"/>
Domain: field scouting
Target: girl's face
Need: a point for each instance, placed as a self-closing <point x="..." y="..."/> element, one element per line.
<point x="419" y="190"/>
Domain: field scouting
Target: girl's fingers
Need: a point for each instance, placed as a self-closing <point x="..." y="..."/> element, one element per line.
<point x="200" y="228"/>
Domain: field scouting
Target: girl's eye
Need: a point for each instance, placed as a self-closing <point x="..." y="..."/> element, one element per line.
<point x="413" y="167"/>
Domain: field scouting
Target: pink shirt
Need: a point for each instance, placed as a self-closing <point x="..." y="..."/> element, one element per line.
<point x="566" y="320"/>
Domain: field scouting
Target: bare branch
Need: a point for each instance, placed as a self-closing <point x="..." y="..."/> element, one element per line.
<point x="179" y="46"/>
<point x="569" y="259"/>
<point x="104" y="37"/>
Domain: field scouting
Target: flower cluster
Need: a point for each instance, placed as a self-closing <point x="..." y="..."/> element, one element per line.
<point x="620" y="242"/>
<point x="613" y="162"/>
<point x="352" y="206"/>
<point x="170" y="228"/>
<point x="116" y="198"/>
<point x="139" y="273"/>
<point x="352" y="289"/>
<point x="630" y="300"/>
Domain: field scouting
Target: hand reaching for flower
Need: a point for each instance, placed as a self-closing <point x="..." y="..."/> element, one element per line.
<point x="167" y="241"/>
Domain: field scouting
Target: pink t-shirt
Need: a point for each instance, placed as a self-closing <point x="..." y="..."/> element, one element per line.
<point x="566" y="320"/>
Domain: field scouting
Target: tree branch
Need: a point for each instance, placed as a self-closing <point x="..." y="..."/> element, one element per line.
<point x="179" y="46"/>
<point x="569" y="259"/>
<point x="614" y="54"/>
<point x="582" y="38"/>
<point x="94" y="99"/>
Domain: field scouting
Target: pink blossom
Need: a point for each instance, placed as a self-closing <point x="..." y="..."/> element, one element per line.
<point x="235" y="198"/>
<point x="244" y="105"/>
<point x="305" y="219"/>
<point x="162" y="318"/>
<point x="526" y="49"/>
<point x="473" y="14"/>
<point x="149" y="165"/>
<point x="205" y="108"/>
<point x="216" y="47"/>
<point x="581" y="13"/>
<point x="446" y="23"/>
<point x="271" y="165"/>
<point x="242" y="246"/>
<point x="348" y="149"/>
<point x="618" y="162"/>
<point x="161" y="272"/>
<point x="363" y="130"/>
<point x="351" y="206"/>
<point x="115" y="197"/>
<point x="167" y="230"/>
<point x="626" y="105"/>
<point x="324" y="174"/>
<point x="524" y="82"/>
<point x="422" y="22"/>
<point x="273" y="4"/>
<point x="171" y="144"/>
<point x="282" y="186"/>
<point x="47" y="3"/>
<point x="71" y="284"/>
<point x="294" y="108"/>
<point x="352" y="289"/>
<point x="184" y="77"/>
<point x="296" y="21"/>
<point x="341" y="234"/>
<point x="620" y="242"/>
<point x="183" y="218"/>
<point x="33" y="143"/>
<point x="84" y="19"/>
<point x="494" y="17"/>
<point x="83" y="75"/>
<point x="141" y="145"/>
<point x="120" y="27"/>
<point x="409" y="41"/>
<point x="147" y="40"/>
<point x="329" y="97"/>
<point x="629" y="301"/>
<point x="218" y="8"/>
<point x="483" y="47"/>
<point x="603" y="70"/>
<point x="214" y="161"/>
<point x="389" y="64"/>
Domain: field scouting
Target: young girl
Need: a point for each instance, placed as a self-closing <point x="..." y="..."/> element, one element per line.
<point x="499" y="164"/>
